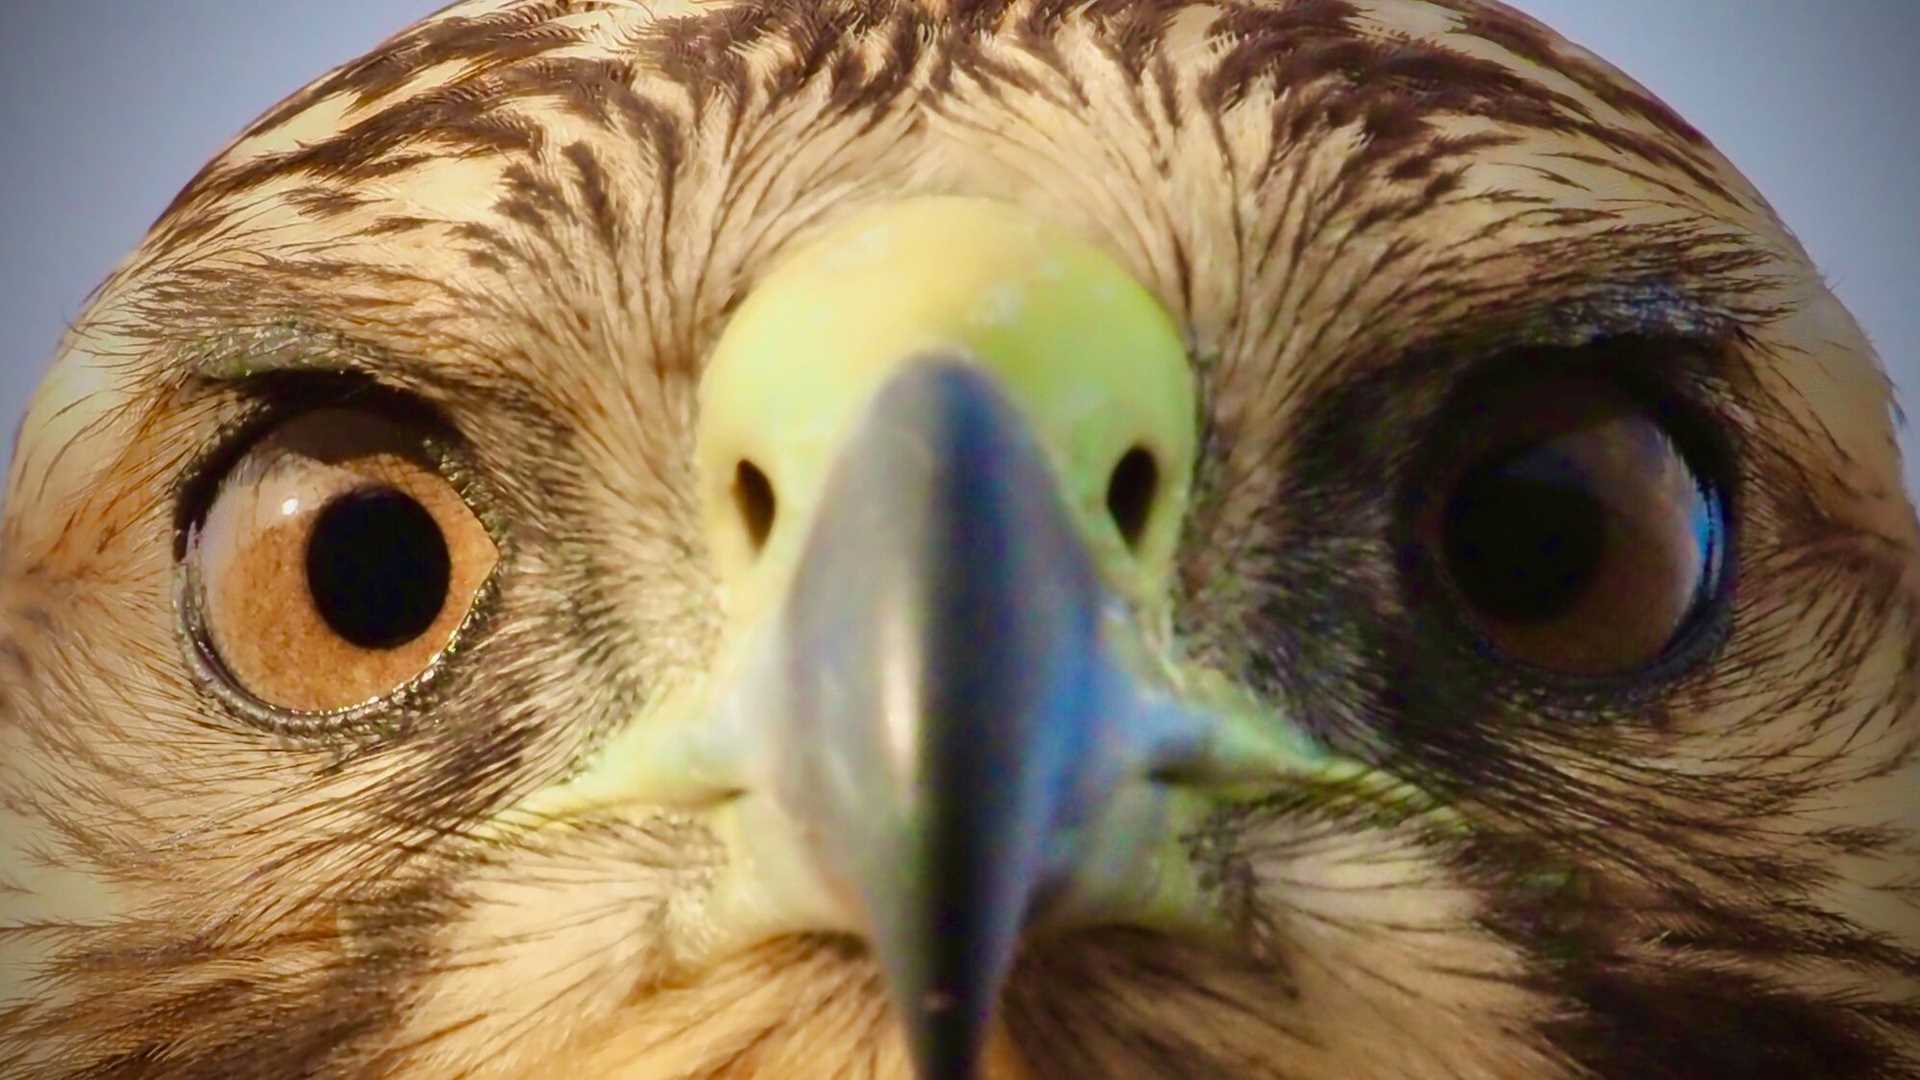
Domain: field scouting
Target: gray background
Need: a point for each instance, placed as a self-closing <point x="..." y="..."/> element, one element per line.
<point x="107" y="107"/>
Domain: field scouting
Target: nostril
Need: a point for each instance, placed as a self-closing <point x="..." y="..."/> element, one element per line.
<point x="1130" y="492"/>
<point x="753" y="496"/>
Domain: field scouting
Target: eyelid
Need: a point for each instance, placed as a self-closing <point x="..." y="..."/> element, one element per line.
<point x="259" y="403"/>
<point x="293" y="348"/>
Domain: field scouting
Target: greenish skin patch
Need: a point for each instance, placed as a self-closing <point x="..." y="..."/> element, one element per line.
<point x="1088" y="355"/>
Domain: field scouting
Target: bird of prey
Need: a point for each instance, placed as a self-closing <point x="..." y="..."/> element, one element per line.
<point x="1307" y="539"/>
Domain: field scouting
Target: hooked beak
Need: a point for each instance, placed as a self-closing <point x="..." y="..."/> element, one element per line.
<point x="956" y="727"/>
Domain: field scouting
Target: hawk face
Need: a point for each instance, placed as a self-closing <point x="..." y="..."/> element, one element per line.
<point x="1299" y="539"/>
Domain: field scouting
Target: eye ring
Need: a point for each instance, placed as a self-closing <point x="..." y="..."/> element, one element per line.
<point x="259" y="636"/>
<point x="1578" y="521"/>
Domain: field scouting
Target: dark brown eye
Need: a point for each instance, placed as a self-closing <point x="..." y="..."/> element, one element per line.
<point x="335" y="562"/>
<point x="1577" y="533"/>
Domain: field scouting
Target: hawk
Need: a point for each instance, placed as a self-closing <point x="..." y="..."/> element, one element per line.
<point x="1312" y="539"/>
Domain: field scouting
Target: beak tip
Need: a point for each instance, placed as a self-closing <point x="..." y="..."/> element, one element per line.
<point x="946" y="984"/>
<point x="946" y="1035"/>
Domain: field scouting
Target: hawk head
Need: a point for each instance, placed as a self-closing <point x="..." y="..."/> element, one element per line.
<point x="1259" y="538"/>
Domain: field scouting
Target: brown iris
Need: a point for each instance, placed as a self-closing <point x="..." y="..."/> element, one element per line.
<point x="1576" y="532"/>
<point x="336" y="562"/>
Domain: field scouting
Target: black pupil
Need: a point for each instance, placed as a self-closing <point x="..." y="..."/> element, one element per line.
<point x="378" y="568"/>
<point x="1525" y="537"/>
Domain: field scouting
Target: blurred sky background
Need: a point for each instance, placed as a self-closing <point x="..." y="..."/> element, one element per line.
<point x="107" y="107"/>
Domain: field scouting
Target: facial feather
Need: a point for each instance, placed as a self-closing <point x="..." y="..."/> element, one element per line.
<point x="536" y="217"/>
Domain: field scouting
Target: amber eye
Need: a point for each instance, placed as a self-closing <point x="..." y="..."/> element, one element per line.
<point x="1577" y="532"/>
<point x="335" y="563"/>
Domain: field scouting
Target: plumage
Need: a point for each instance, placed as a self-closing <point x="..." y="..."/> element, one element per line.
<point x="523" y="228"/>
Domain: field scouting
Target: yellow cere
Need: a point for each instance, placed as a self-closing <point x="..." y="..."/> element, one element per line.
<point x="1089" y="356"/>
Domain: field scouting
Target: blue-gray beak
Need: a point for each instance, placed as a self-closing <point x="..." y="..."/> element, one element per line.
<point x="958" y="726"/>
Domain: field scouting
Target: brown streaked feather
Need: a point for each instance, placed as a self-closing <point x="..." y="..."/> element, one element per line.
<point x="536" y="216"/>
